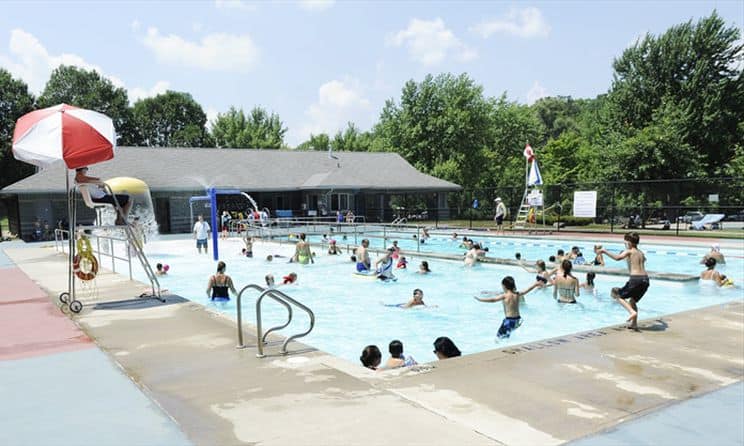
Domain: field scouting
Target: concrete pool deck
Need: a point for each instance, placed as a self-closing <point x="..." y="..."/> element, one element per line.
<point x="183" y="357"/>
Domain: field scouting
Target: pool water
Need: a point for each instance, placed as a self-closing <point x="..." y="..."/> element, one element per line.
<point x="666" y="258"/>
<point x="350" y="313"/>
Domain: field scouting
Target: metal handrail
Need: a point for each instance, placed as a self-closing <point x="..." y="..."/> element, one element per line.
<point x="59" y="238"/>
<point x="240" y="314"/>
<point x="278" y="294"/>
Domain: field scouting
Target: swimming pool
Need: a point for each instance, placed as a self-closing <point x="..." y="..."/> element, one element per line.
<point x="349" y="311"/>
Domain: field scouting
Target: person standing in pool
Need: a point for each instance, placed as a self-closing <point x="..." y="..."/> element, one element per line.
<point x="302" y="252"/>
<point x="566" y="286"/>
<point x="510" y="298"/>
<point x="638" y="282"/>
<point x="220" y="284"/>
<point x="363" y="262"/>
<point x="384" y="266"/>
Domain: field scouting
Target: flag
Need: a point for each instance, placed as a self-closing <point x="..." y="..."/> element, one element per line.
<point x="529" y="153"/>
<point x="535" y="179"/>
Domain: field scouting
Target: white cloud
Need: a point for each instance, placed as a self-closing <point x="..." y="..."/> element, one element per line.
<point x="430" y="42"/>
<point x="527" y="23"/>
<point x="316" y="5"/>
<point x="135" y="25"/>
<point x="235" y="5"/>
<point x="29" y="60"/>
<point x="215" y="52"/>
<point x="138" y="93"/>
<point x="536" y="92"/>
<point x="339" y="101"/>
<point x="197" y="27"/>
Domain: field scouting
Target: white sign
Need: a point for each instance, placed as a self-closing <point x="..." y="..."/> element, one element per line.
<point x="585" y="204"/>
<point x="535" y="198"/>
<point x="713" y="198"/>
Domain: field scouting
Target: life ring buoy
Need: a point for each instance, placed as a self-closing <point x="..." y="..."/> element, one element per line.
<point x="84" y="264"/>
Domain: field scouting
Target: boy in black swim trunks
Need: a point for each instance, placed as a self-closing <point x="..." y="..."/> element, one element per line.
<point x="638" y="282"/>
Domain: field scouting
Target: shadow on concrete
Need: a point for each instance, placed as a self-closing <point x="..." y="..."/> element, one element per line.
<point x="657" y="325"/>
<point x="139" y="303"/>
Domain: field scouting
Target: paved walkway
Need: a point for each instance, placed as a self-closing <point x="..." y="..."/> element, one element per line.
<point x="547" y="392"/>
<point x="56" y="387"/>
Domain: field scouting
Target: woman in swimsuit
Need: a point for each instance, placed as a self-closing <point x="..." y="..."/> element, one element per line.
<point x="566" y="286"/>
<point x="711" y="273"/>
<point x="598" y="257"/>
<point x="589" y="284"/>
<point x="302" y="251"/>
<point x="219" y="285"/>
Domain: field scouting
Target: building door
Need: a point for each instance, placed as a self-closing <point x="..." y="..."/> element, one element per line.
<point x="162" y="214"/>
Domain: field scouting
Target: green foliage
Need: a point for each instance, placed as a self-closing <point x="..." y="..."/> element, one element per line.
<point x="694" y="70"/>
<point x="439" y="120"/>
<point x="15" y="101"/>
<point x="352" y="140"/>
<point x="259" y="130"/>
<point x="316" y="142"/>
<point x="171" y="119"/>
<point x="88" y="89"/>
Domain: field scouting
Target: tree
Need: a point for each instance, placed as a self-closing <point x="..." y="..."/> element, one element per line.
<point x="88" y="89"/>
<point x="316" y="142"/>
<point x="558" y="114"/>
<point x="695" y="69"/>
<point x="257" y="130"/>
<point x="15" y="101"/>
<point x="351" y="139"/>
<point x="171" y="119"/>
<point x="441" y="125"/>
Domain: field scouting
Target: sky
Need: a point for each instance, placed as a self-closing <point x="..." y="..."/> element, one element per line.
<point x="322" y="63"/>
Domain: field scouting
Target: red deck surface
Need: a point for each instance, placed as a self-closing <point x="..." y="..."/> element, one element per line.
<point x="30" y="325"/>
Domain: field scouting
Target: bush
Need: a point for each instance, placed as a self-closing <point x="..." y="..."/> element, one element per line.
<point x="568" y="220"/>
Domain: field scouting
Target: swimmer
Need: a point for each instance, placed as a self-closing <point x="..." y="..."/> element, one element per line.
<point x="510" y="298"/>
<point x="219" y="284"/>
<point x="566" y="288"/>
<point x="161" y="270"/>
<point x="579" y="259"/>
<point x="417" y="299"/>
<point x="444" y="348"/>
<point x="559" y="256"/>
<point x="333" y="248"/>
<point x="471" y="257"/>
<point x="454" y="236"/>
<point x="353" y="259"/>
<point x="248" y="251"/>
<point x="289" y="279"/>
<point x="638" y="282"/>
<point x="424" y="268"/>
<point x="397" y="358"/>
<point x="302" y="251"/>
<point x="589" y="284"/>
<point x="402" y="263"/>
<point x="396" y="249"/>
<point x="711" y="273"/>
<point x="425" y="234"/>
<point x="715" y="253"/>
<point x="542" y="277"/>
<point x="371" y="357"/>
<point x="518" y="256"/>
<point x="598" y="257"/>
<point x="269" y="278"/>
<point x="384" y="266"/>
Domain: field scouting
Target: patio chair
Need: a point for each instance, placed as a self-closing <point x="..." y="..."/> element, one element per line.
<point x="709" y="219"/>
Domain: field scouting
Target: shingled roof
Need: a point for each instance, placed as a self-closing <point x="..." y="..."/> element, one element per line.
<point x="188" y="169"/>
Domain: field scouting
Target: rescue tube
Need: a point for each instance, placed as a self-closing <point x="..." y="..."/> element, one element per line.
<point x="84" y="264"/>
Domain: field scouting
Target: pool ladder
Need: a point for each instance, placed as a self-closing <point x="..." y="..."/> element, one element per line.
<point x="284" y="300"/>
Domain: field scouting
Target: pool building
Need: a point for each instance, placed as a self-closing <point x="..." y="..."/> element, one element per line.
<point x="296" y="183"/>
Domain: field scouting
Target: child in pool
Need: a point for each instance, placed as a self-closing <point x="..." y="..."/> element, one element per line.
<point x="397" y="358"/>
<point x="289" y="279"/>
<point x="402" y="263"/>
<point x="424" y="268"/>
<point x="161" y="270"/>
<point x="589" y="284"/>
<point x="269" y="280"/>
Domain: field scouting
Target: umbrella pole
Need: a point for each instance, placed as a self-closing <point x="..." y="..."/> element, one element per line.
<point x="71" y="238"/>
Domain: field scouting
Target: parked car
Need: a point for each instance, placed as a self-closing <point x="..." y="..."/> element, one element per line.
<point x="690" y="217"/>
<point x="738" y="216"/>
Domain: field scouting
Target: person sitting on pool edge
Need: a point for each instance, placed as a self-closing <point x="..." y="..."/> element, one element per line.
<point x="371" y="357"/>
<point x="98" y="195"/>
<point x="397" y="358"/>
<point x="219" y="284"/>
<point x="510" y="298"/>
<point x="444" y="348"/>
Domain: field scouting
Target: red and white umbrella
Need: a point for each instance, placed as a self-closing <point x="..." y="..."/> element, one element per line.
<point x="77" y="136"/>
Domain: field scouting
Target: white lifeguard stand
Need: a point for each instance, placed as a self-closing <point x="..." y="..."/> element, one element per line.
<point x="532" y="199"/>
